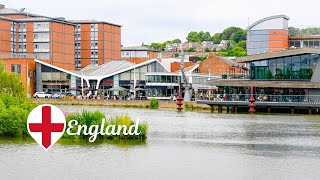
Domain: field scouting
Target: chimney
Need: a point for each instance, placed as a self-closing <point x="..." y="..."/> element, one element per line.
<point x="2" y="6"/>
<point x="210" y="55"/>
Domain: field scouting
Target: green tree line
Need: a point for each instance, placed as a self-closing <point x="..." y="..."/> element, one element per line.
<point x="303" y="31"/>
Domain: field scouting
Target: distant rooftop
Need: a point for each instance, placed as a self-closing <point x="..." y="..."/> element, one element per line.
<point x="92" y="21"/>
<point x="137" y="48"/>
<point x="11" y="11"/>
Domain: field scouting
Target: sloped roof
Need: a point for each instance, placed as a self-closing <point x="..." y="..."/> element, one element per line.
<point x="92" y="21"/>
<point x="111" y="67"/>
<point x="15" y="11"/>
<point x="267" y="19"/>
<point x="228" y="61"/>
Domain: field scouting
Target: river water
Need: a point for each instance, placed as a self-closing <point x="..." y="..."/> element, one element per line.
<point x="188" y="145"/>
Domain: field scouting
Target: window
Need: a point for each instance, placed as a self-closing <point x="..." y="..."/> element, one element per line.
<point x="41" y="46"/>
<point x="22" y="36"/>
<point x="16" y="68"/>
<point x="41" y="26"/>
<point x="41" y="37"/>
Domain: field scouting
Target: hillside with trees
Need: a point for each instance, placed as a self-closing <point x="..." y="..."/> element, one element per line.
<point x="235" y="35"/>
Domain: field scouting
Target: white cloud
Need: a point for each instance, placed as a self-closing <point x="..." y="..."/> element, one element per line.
<point x="149" y="21"/>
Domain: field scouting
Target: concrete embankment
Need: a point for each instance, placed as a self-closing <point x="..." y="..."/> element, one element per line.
<point x="120" y="103"/>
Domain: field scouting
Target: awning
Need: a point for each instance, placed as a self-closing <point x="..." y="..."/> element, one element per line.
<point x="117" y="89"/>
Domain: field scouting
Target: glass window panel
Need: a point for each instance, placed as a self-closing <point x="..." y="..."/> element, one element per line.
<point x="296" y="67"/>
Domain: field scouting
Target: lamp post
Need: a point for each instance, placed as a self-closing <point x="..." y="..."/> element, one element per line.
<point x="209" y="92"/>
<point x="27" y="79"/>
<point x="82" y="84"/>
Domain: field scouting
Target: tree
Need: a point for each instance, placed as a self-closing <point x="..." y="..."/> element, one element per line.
<point x="216" y="38"/>
<point x="239" y="35"/>
<point x="10" y="83"/>
<point x="242" y="44"/>
<point x="206" y="36"/>
<point x="191" y="50"/>
<point x="176" y="41"/>
<point x="227" y="33"/>
<point x="207" y="49"/>
<point x="156" y="46"/>
<point x="193" y="37"/>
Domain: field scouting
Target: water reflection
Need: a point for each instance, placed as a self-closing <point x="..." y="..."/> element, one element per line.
<point x="122" y="143"/>
<point x="186" y="145"/>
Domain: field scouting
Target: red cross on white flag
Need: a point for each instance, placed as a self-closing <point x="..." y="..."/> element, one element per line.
<point x="46" y="124"/>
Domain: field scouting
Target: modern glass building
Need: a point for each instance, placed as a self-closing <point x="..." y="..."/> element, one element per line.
<point x="290" y="74"/>
<point x="290" y="68"/>
<point x="162" y="85"/>
<point x="269" y="34"/>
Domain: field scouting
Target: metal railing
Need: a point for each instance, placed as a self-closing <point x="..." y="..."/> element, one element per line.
<point x="261" y="97"/>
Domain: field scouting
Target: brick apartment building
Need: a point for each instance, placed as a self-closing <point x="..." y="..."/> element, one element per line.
<point x="96" y="42"/>
<point x="69" y="45"/>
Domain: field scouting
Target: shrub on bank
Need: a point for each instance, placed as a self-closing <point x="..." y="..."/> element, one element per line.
<point x="95" y="118"/>
<point x="154" y="103"/>
<point x="14" y="113"/>
<point x="14" y="105"/>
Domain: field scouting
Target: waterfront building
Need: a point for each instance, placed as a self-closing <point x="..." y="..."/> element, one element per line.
<point x="288" y="76"/>
<point x="268" y="35"/>
<point x="114" y="74"/>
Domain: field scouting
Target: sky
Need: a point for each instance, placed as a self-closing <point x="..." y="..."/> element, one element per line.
<point x="146" y="21"/>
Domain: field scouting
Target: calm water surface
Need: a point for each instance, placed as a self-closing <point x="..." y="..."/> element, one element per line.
<point x="186" y="145"/>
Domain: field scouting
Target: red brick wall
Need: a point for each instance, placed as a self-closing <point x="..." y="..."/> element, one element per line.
<point x="62" y="45"/>
<point x="109" y="43"/>
<point x="5" y="37"/>
<point x="176" y="66"/>
<point x="216" y="66"/>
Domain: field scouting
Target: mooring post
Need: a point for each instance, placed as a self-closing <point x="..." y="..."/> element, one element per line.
<point x="292" y="110"/>
<point x="212" y="108"/>
<point x="269" y="110"/>
<point x="228" y="109"/>
<point x="310" y="111"/>
<point x="252" y="102"/>
<point x="219" y="109"/>
<point x="179" y="100"/>
<point x="236" y="109"/>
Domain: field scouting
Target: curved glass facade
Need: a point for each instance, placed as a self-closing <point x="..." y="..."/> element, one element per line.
<point x="299" y="67"/>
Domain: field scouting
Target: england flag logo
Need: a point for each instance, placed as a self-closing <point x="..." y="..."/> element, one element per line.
<point x="46" y="124"/>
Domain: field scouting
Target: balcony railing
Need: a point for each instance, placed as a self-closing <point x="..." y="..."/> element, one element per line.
<point x="261" y="98"/>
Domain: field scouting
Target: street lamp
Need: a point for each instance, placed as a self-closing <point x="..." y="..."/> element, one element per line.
<point x="27" y="79"/>
<point x="209" y="93"/>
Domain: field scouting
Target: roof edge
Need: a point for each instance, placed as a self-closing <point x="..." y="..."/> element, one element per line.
<point x="266" y="19"/>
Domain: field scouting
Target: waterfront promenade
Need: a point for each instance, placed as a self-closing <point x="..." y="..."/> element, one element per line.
<point x="290" y="104"/>
<point x="118" y="103"/>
